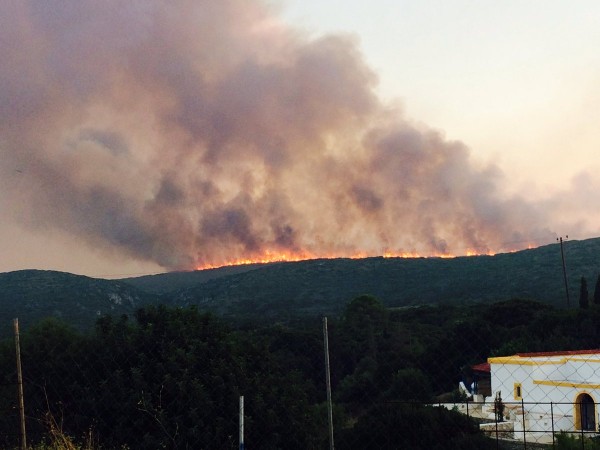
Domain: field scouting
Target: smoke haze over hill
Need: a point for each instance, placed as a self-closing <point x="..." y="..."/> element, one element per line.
<point x="199" y="132"/>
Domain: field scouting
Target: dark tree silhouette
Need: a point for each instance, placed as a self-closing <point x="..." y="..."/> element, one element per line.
<point x="583" y="294"/>
<point x="597" y="291"/>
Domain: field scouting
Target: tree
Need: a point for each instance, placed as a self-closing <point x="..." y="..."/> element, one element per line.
<point x="413" y="426"/>
<point x="583" y="294"/>
<point x="597" y="292"/>
<point x="361" y="330"/>
<point x="365" y="319"/>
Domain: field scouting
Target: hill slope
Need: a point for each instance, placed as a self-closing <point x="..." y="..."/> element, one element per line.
<point x="286" y="290"/>
<point x="173" y="281"/>
<point x="32" y="295"/>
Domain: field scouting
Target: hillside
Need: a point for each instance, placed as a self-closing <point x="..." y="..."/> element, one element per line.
<point x="287" y="291"/>
<point x="32" y="295"/>
<point x="312" y="287"/>
<point x="172" y="281"/>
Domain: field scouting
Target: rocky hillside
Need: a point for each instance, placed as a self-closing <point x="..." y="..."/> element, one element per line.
<point x="31" y="295"/>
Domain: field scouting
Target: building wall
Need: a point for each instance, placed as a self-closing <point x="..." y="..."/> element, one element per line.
<point x="549" y="388"/>
<point x="505" y="376"/>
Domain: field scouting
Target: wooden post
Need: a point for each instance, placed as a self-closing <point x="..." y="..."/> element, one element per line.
<point x="20" y="386"/>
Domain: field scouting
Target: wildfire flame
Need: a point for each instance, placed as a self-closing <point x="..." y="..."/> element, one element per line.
<point x="273" y="257"/>
<point x="267" y="257"/>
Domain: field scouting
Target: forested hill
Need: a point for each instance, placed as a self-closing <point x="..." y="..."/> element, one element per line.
<point x="31" y="295"/>
<point x="165" y="283"/>
<point x="325" y="286"/>
<point x="285" y="291"/>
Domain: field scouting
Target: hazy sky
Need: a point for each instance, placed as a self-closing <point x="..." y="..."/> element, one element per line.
<point x="517" y="81"/>
<point x="155" y="137"/>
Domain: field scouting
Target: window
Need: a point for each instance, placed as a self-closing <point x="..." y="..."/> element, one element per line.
<point x="517" y="391"/>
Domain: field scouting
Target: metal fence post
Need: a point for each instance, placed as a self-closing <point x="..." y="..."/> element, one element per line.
<point x="552" y="420"/>
<point x="524" y="427"/>
<point x="496" y="419"/>
<point x="581" y="424"/>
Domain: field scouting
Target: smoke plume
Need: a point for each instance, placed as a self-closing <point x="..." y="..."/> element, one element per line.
<point x="198" y="132"/>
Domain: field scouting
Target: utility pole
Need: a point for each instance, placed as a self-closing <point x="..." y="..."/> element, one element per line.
<point x="241" y="422"/>
<point x="564" y="265"/>
<point x="20" y="386"/>
<point x="328" y="384"/>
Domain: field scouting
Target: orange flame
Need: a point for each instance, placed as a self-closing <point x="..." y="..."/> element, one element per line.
<point x="290" y="256"/>
<point x="273" y="257"/>
<point x="477" y="253"/>
<point x="267" y="257"/>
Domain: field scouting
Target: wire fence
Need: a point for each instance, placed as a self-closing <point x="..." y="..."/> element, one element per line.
<point x="179" y="378"/>
<point x="533" y="423"/>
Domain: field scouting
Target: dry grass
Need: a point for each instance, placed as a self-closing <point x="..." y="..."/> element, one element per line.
<point x="59" y="440"/>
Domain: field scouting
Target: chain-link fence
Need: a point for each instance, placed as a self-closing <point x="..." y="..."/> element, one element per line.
<point x="415" y="378"/>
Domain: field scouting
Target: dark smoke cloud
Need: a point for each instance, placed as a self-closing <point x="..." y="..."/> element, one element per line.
<point x="190" y="132"/>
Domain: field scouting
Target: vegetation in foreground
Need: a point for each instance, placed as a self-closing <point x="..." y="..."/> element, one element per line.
<point x="172" y="378"/>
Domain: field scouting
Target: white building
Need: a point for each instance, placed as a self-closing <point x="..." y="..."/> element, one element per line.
<point x="550" y="391"/>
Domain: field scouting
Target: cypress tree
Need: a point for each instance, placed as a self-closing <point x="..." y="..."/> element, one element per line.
<point x="583" y="294"/>
<point x="597" y="292"/>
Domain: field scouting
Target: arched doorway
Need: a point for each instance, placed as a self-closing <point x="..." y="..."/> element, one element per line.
<point x="585" y="413"/>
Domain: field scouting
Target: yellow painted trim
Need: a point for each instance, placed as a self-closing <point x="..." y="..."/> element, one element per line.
<point x="517" y="389"/>
<point x="567" y="384"/>
<point x="577" y="394"/>
<point x="586" y="360"/>
<point x="530" y="361"/>
<point x="524" y="361"/>
<point x="577" y="410"/>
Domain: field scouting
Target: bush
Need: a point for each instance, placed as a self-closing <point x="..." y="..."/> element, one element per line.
<point x="416" y="427"/>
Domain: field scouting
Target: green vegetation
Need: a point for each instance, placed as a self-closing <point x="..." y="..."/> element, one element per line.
<point x="283" y="292"/>
<point x="106" y="367"/>
<point x="172" y="377"/>
<point x="289" y="293"/>
<point x="32" y="295"/>
<point x="566" y="441"/>
<point x="583" y="294"/>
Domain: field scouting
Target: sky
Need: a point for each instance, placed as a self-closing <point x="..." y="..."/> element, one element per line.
<point x="517" y="81"/>
<point x="175" y="135"/>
